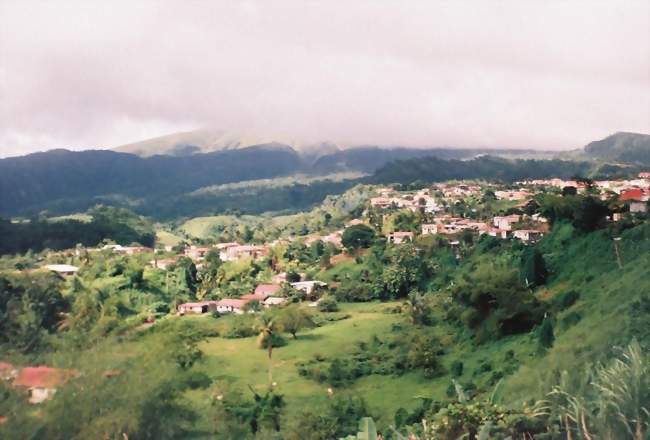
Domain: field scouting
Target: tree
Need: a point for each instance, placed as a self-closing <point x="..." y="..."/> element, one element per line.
<point x="545" y="333"/>
<point x="533" y="268"/>
<point x="267" y="328"/>
<point x="294" y="318"/>
<point x="418" y="308"/>
<point x="358" y="236"/>
<point x="328" y="305"/>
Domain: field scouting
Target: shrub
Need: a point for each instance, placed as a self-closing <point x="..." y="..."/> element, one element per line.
<point x="456" y="368"/>
<point x="328" y="305"/>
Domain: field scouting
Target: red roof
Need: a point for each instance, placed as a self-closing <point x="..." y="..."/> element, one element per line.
<point x="632" y="194"/>
<point x="43" y="377"/>
<point x="267" y="289"/>
<point x="232" y="302"/>
<point x="254" y="297"/>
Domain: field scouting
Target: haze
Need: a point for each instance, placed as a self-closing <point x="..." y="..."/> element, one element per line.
<point x="548" y="75"/>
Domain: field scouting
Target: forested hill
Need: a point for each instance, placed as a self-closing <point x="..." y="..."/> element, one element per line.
<point x="433" y="169"/>
<point x="622" y="147"/>
<point x="30" y="183"/>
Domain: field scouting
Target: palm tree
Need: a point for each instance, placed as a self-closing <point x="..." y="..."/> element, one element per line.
<point x="268" y="327"/>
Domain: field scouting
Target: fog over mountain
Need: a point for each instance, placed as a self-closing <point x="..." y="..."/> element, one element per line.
<point x="86" y="75"/>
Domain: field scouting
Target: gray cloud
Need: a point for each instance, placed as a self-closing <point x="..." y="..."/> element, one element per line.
<point x="82" y="74"/>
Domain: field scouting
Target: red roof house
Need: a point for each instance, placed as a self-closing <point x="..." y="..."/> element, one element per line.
<point x="632" y="194"/>
<point x="267" y="289"/>
<point x="42" y="381"/>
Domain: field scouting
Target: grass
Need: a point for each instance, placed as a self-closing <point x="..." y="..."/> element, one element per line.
<point x="166" y="238"/>
<point x="240" y="363"/>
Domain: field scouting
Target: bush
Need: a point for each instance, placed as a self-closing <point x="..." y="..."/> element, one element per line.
<point x="456" y="368"/>
<point x="328" y="305"/>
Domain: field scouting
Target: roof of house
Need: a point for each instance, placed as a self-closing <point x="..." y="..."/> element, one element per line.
<point x="274" y="300"/>
<point x="232" y="302"/>
<point x="255" y="296"/>
<point x="43" y="377"/>
<point x="61" y="268"/>
<point x="632" y="194"/>
<point x="197" y="304"/>
<point x="268" y="289"/>
<point x="401" y="234"/>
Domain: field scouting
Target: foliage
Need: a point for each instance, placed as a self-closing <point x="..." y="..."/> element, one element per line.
<point x="357" y="236"/>
<point x="327" y="305"/>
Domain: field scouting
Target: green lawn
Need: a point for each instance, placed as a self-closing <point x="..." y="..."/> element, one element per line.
<point x="240" y="363"/>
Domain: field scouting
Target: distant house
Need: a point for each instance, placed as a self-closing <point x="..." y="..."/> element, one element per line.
<point x="197" y="307"/>
<point x="638" y="207"/>
<point x="259" y="297"/>
<point x="505" y="222"/>
<point x="308" y="286"/>
<point x="62" y="269"/>
<point x="231" y="305"/>
<point x="267" y="289"/>
<point x="41" y="382"/>
<point x="496" y="232"/>
<point x="272" y="301"/>
<point x="399" y="237"/>
<point x="234" y="253"/>
<point x="197" y="253"/>
<point x="127" y="250"/>
<point x="634" y="194"/>
<point x="528" y="235"/>
<point x="431" y="228"/>
<point x="163" y="263"/>
<point x="354" y="222"/>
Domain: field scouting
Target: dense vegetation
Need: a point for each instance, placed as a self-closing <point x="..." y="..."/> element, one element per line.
<point x="104" y="223"/>
<point x="485" y="335"/>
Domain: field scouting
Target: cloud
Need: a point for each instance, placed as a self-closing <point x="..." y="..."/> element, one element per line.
<point x="91" y="74"/>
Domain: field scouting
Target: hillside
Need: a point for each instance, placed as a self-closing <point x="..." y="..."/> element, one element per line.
<point x="632" y="148"/>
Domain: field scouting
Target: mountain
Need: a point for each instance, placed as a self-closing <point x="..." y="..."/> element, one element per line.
<point x="67" y="181"/>
<point x="208" y="141"/>
<point x="631" y="148"/>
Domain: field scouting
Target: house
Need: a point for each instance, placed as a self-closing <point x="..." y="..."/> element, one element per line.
<point x="431" y="228"/>
<point x="496" y="232"/>
<point x="505" y="222"/>
<point x="272" y="301"/>
<point x="231" y="305"/>
<point x="197" y="307"/>
<point x="638" y="207"/>
<point x="528" y="235"/>
<point x="163" y="263"/>
<point x="308" y="286"/>
<point x="631" y="194"/>
<point x="354" y="222"/>
<point x="197" y="253"/>
<point x="41" y="382"/>
<point x="400" y="237"/>
<point x="62" y="269"/>
<point x="267" y="289"/>
<point x="234" y="253"/>
<point x="259" y="297"/>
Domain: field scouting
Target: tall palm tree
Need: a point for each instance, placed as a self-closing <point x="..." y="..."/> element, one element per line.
<point x="267" y="327"/>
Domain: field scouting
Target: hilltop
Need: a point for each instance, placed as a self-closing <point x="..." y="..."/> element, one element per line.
<point x="622" y="147"/>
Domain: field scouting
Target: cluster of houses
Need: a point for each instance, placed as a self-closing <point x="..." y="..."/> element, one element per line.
<point x="266" y="295"/>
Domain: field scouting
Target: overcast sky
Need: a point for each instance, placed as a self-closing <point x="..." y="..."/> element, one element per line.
<point x="98" y="74"/>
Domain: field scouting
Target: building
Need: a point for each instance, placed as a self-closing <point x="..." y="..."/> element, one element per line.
<point x="231" y="305"/>
<point x="234" y="253"/>
<point x="528" y="235"/>
<point x="62" y="269"/>
<point x="197" y="307"/>
<point x="268" y="289"/>
<point x="41" y="382"/>
<point x="272" y="301"/>
<point x="432" y="228"/>
<point x="197" y="253"/>
<point x="505" y="222"/>
<point x="637" y="207"/>
<point x="308" y="286"/>
<point x="399" y="237"/>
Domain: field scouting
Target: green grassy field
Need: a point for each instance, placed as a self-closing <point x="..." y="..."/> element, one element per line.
<point x="239" y="363"/>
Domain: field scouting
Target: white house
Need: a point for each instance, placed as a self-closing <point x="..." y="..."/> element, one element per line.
<point x="62" y="269"/>
<point x="231" y="305"/>
<point x="308" y="286"/>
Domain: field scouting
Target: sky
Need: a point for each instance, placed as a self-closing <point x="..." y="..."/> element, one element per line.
<point x="512" y="74"/>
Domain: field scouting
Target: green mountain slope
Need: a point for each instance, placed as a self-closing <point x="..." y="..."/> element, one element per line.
<point x="633" y="148"/>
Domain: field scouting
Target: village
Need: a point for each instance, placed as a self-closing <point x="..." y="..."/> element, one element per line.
<point x="450" y="212"/>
